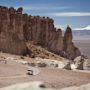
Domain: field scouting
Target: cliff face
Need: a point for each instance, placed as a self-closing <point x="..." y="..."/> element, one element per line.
<point x="70" y="50"/>
<point x="11" y="34"/>
<point x="42" y="31"/>
<point x="16" y="29"/>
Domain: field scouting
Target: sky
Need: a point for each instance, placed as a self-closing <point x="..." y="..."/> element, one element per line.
<point x="75" y="13"/>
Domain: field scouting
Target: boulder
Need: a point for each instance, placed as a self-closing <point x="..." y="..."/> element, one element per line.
<point x="86" y="64"/>
<point x="41" y="64"/>
<point x="61" y="65"/>
<point x="67" y="65"/>
<point x="73" y="67"/>
<point x="11" y="58"/>
<point x="32" y="64"/>
<point x="82" y="63"/>
<point x="79" y="62"/>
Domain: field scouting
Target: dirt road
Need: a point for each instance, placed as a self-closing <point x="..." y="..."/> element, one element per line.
<point x="12" y="73"/>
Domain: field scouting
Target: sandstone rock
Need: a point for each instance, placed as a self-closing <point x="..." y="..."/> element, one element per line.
<point x="12" y="10"/>
<point x="61" y="65"/>
<point x="32" y="64"/>
<point x="16" y="29"/>
<point x="19" y="10"/>
<point x="52" y="63"/>
<point x="73" y="67"/>
<point x="67" y="65"/>
<point x="11" y="34"/>
<point x="70" y="50"/>
<point x="81" y="63"/>
<point x="86" y="64"/>
<point x="41" y="64"/>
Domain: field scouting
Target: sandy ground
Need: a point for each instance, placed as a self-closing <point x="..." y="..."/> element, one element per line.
<point x="12" y="73"/>
<point x="83" y="43"/>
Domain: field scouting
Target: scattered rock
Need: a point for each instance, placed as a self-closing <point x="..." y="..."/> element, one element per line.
<point x="22" y="62"/>
<point x="53" y="64"/>
<point x="22" y="57"/>
<point x="86" y="65"/>
<point x="73" y="67"/>
<point x="81" y="63"/>
<point x="67" y="65"/>
<point x="61" y="65"/>
<point x="11" y="58"/>
<point x="32" y="64"/>
<point x="41" y="64"/>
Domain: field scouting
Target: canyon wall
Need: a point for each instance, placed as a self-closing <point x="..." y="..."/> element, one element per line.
<point x="11" y="34"/>
<point x="16" y="29"/>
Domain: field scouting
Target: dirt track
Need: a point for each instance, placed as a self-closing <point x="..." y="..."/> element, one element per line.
<point x="13" y="72"/>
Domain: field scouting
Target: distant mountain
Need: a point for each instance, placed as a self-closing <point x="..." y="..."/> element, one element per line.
<point x="81" y="32"/>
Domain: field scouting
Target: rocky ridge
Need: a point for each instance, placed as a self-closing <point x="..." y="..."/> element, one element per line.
<point x="18" y="29"/>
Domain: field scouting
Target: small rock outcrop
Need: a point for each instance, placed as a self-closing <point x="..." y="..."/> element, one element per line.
<point x="16" y="29"/>
<point x="67" y="65"/>
<point x="82" y="63"/>
<point x="79" y="62"/>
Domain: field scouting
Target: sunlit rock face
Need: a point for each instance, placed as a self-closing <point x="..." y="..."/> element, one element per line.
<point x="16" y="29"/>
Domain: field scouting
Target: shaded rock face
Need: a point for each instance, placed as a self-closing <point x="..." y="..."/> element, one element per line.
<point x="11" y="34"/>
<point x="42" y="31"/>
<point x="70" y="50"/>
<point x="16" y="29"/>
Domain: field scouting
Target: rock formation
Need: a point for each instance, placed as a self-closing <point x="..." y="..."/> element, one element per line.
<point x="82" y="63"/>
<point x="16" y="29"/>
<point x="11" y="34"/>
<point x="70" y="50"/>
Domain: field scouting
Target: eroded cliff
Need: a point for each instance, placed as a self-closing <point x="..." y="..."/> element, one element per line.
<point x="16" y="29"/>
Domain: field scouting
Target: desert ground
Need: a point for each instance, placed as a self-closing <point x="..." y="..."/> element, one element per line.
<point x="12" y="73"/>
<point x="83" y="43"/>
